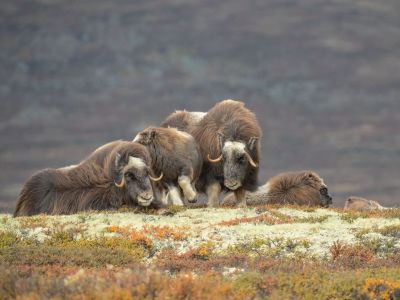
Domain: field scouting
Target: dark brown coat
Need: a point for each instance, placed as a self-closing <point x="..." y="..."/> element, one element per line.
<point x="90" y="185"/>
<point x="231" y="121"/>
<point x="174" y="153"/>
<point x="304" y="188"/>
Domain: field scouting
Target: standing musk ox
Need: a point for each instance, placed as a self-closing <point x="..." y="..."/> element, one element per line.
<point x="175" y="154"/>
<point x="301" y="188"/>
<point x="229" y="139"/>
<point x="361" y="204"/>
<point x="114" y="175"/>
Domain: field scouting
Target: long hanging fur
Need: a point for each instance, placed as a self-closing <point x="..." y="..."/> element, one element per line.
<point x="87" y="186"/>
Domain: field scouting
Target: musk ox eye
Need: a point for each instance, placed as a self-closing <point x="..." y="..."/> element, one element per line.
<point x="241" y="159"/>
<point x="323" y="191"/>
<point x="130" y="175"/>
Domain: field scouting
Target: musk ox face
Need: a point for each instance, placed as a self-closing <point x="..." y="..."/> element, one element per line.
<point x="135" y="176"/>
<point x="320" y="187"/>
<point x="236" y="161"/>
<point x="326" y="199"/>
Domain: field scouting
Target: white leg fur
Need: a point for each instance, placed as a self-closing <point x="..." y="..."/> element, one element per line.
<point x="164" y="197"/>
<point x="174" y="196"/>
<point x="187" y="188"/>
<point x="213" y="191"/>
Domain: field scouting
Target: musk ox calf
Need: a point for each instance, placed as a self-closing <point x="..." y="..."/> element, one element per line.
<point x="176" y="155"/>
<point x="361" y="204"/>
<point x="114" y="175"/>
<point x="301" y="188"/>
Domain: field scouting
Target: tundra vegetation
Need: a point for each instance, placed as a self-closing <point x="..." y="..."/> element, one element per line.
<point x="205" y="253"/>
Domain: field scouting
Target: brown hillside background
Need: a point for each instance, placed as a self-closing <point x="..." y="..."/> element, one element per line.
<point x="322" y="76"/>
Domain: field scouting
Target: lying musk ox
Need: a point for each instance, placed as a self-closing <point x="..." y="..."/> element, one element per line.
<point x="361" y="204"/>
<point x="114" y="175"/>
<point x="229" y="139"/>
<point x="175" y="154"/>
<point x="302" y="188"/>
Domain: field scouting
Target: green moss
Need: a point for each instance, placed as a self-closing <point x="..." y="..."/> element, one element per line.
<point x="8" y="239"/>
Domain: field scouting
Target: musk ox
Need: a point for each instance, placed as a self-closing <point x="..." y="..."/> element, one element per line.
<point x="176" y="155"/>
<point x="114" y="175"/>
<point x="361" y="204"/>
<point x="302" y="188"/>
<point x="183" y="120"/>
<point x="229" y="139"/>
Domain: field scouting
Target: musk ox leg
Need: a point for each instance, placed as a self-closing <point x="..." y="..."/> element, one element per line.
<point x="174" y="195"/>
<point x="187" y="188"/>
<point x="240" y="198"/>
<point x="164" y="196"/>
<point x="213" y="191"/>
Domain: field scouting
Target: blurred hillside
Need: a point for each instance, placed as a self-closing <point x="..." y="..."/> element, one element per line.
<point x="322" y="76"/>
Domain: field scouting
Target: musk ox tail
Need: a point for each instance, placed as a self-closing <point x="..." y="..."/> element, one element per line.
<point x="34" y="195"/>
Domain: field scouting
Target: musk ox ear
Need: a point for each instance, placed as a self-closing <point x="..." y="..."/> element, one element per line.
<point x="252" y="141"/>
<point x="152" y="134"/>
<point x="221" y="140"/>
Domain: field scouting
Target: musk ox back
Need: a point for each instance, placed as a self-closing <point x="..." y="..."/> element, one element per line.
<point x="114" y="175"/>
<point x="174" y="154"/>
<point x="183" y="120"/>
<point x="301" y="188"/>
<point x="229" y="138"/>
<point x="361" y="204"/>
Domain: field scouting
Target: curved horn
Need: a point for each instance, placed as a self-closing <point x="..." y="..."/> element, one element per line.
<point x="218" y="159"/>
<point x="157" y="179"/>
<point x="120" y="185"/>
<point x="251" y="161"/>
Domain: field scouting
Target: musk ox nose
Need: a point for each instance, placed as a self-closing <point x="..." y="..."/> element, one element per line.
<point x="232" y="184"/>
<point x="144" y="199"/>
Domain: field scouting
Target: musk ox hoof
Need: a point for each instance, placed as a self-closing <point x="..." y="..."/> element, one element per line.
<point x="241" y="204"/>
<point x="192" y="198"/>
<point x="213" y="204"/>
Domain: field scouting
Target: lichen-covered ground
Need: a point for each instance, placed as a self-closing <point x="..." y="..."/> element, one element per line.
<point x="203" y="253"/>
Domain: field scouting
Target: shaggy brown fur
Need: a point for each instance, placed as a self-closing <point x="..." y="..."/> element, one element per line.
<point x="90" y="185"/>
<point x="183" y="120"/>
<point x="301" y="188"/>
<point x="232" y="121"/>
<point x="361" y="204"/>
<point x="175" y="154"/>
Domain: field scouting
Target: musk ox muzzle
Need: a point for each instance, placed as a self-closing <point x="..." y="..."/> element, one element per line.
<point x="326" y="199"/>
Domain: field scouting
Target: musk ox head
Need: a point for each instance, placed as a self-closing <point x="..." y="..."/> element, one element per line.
<point x="135" y="176"/>
<point x="146" y="136"/>
<point x="236" y="159"/>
